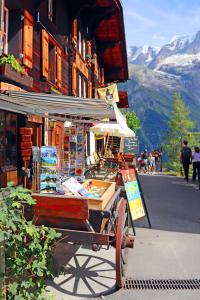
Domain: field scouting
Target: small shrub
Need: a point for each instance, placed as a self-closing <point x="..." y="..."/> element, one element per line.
<point x="27" y="247"/>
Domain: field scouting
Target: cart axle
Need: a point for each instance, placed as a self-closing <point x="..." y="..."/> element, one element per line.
<point x="129" y="241"/>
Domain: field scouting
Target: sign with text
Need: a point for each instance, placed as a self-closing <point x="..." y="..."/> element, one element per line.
<point x="133" y="194"/>
<point x="131" y="145"/>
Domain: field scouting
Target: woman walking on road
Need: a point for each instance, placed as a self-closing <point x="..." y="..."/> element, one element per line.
<point x="196" y="164"/>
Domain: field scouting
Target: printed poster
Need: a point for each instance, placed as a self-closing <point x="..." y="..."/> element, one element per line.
<point x="49" y="156"/>
<point x="133" y="194"/>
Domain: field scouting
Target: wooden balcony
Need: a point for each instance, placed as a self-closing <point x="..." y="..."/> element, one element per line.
<point x="7" y="74"/>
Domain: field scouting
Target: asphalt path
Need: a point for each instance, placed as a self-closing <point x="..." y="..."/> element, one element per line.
<point x="170" y="250"/>
<point x="172" y="203"/>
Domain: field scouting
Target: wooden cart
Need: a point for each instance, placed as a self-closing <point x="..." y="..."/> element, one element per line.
<point x="78" y="223"/>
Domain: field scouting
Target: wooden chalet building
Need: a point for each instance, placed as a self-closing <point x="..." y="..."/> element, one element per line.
<point x="68" y="47"/>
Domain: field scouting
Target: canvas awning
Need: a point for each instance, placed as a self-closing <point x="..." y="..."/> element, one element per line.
<point x="58" y="107"/>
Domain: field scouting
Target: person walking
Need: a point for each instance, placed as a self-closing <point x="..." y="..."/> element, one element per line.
<point x="140" y="163"/>
<point x="194" y="168"/>
<point x="186" y="159"/>
<point x="196" y="164"/>
<point x="145" y="160"/>
<point x="151" y="164"/>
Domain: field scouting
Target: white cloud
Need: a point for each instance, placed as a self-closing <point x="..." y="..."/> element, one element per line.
<point x="159" y="37"/>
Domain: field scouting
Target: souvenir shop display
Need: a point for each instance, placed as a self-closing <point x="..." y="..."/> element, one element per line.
<point x="74" y="151"/>
<point x="49" y="175"/>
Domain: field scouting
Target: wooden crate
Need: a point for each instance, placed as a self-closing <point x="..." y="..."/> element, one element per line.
<point x="108" y="194"/>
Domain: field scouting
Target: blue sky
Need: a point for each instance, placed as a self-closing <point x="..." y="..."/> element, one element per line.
<point x="156" y="22"/>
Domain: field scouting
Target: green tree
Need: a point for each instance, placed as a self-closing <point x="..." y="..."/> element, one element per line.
<point x="179" y="128"/>
<point x="133" y="121"/>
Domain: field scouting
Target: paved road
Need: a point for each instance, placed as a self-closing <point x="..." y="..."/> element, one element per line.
<point x="173" y="204"/>
<point x="170" y="250"/>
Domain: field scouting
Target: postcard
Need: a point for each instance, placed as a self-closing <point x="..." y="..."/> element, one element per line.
<point x="49" y="156"/>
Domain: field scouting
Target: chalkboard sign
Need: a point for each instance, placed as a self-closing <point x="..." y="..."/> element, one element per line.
<point x="131" y="145"/>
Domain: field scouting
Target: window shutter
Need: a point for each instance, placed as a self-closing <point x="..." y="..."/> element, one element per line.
<point x="102" y="75"/>
<point x="28" y="40"/>
<point x="74" y="80"/>
<point x="59" y="67"/>
<point x="95" y="65"/>
<point x="89" y="89"/>
<point x="74" y="31"/>
<point x="45" y="53"/>
<point x="89" y="47"/>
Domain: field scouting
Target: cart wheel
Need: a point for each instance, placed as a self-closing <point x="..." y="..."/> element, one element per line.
<point x="122" y="235"/>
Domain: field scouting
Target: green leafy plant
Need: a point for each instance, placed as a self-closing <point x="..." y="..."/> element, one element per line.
<point x="180" y="127"/>
<point x="14" y="63"/>
<point x="132" y="120"/>
<point x="27" y="248"/>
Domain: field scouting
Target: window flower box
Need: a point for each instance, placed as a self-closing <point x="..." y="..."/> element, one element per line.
<point x="14" y="77"/>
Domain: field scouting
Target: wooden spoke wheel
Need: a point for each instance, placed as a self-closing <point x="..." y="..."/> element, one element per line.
<point x="123" y="241"/>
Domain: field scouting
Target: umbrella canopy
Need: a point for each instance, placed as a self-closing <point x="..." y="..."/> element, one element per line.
<point x="112" y="129"/>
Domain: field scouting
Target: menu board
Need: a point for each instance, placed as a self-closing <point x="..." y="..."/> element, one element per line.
<point x="74" y="151"/>
<point x="131" y="145"/>
<point x="133" y="194"/>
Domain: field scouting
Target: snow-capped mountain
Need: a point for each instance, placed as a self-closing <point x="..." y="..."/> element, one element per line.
<point x="142" y="55"/>
<point x="155" y="74"/>
<point x="180" y="51"/>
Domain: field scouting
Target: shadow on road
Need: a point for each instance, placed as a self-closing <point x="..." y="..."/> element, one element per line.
<point x="85" y="275"/>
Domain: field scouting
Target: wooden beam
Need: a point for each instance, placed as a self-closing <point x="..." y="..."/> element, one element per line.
<point x="1" y="25"/>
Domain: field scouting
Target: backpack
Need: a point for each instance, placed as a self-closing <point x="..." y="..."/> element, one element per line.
<point x="186" y="153"/>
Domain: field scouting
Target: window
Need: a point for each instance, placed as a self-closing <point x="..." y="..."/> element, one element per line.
<point x="5" y="31"/>
<point x="82" y="86"/>
<point x="84" y="49"/>
<point x="79" y="85"/>
<point x="51" y="60"/>
<point x="82" y="44"/>
<point x="52" y="10"/>
<point x="99" y="73"/>
<point x="52" y="63"/>
<point x="8" y="141"/>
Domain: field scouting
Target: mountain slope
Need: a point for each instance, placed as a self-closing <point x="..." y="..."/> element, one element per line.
<point x="153" y="80"/>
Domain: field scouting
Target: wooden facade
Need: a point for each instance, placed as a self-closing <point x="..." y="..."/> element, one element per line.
<point x="68" y="47"/>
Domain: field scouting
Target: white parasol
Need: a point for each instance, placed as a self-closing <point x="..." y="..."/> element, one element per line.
<point x="119" y="129"/>
<point x="112" y="129"/>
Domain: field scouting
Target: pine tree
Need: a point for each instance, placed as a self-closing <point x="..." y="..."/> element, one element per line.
<point x="179" y="128"/>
